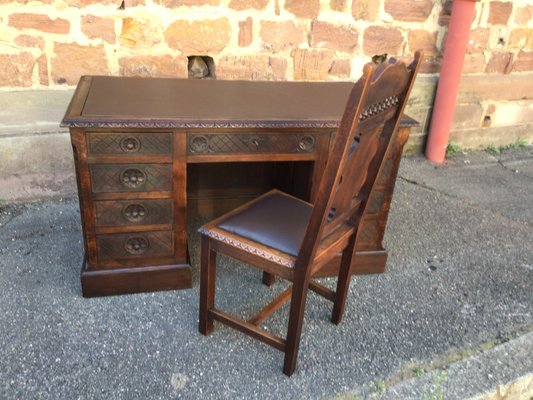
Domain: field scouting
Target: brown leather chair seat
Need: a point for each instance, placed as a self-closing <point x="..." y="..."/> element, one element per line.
<point x="276" y="220"/>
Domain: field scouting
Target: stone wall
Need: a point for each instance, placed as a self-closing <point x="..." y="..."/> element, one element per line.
<point x="49" y="44"/>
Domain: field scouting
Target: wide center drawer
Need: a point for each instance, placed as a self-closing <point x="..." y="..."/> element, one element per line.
<point x="250" y="142"/>
<point x="107" y="178"/>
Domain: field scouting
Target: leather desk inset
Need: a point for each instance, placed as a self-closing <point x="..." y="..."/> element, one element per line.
<point x="133" y="138"/>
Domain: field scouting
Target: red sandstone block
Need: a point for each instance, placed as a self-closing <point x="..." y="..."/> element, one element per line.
<point x="42" y="63"/>
<point x="245" y="32"/>
<point x="524" y="61"/>
<point x="337" y="5"/>
<point x="178" y="3"/>
<point x="39" y="22"/>
<point x="199" y="37"/>
<point x="278" y="36"/>
<point x="303" y="8"/>
<point x="378" y="40"/>
<point x="524" y="15"/>
<point x="341" y="68"/>
<point x="165" y="66"/>
<point x="521" y="38"/>
<point x="246" y="4"/>
<point x="423" y="40"/>
<point x="478" y="40"/>
<point x="72" y="60"/>
<point x="365" y="10"/>
<point x="412" y="10"/>
<point x="16" y="69"/>
<point x="311" y="64"/>
<point x="500" y="63"/>
<point x="499" y="12"/>
<point x="474" y="63"/>
<point x="258" y="67"/>
<point x="341" y="38"/>
<point x="30" y="41"/>
<point x="98" y="28"/>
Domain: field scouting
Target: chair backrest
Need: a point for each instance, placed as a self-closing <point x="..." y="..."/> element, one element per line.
<point x="371" y="117"/>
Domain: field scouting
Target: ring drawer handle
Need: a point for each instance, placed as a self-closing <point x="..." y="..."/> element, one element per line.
<point x="133" y="178"/>
<point x="134" y="212"/>
<point x="130" y="144"/>
<point x="136" y="245"/>
<point x="306" y="143"/>
<point x="199" y="144"/>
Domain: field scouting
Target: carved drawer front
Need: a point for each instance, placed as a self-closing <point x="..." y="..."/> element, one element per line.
<point x="219" y="143"/>
<point x="111" y="143"/>
<point x="371" y="233"/>
<point x="133" y="212"/>
<point x="386" y="171"/>
<point x="135" y="245"/>
<point x="131" y="177"/>
<point x="377" y="201"/>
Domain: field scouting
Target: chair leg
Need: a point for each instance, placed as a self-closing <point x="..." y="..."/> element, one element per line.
<point x="208" y="264"/>
<point x="296" y="315"/>
<point x="343" y="284"/>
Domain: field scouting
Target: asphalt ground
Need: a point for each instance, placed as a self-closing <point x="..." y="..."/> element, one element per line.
<point x="458" y="286"/>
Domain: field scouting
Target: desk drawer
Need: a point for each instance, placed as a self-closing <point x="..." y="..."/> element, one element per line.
<point x="106" y="178"/>
<point x="135" y="245"/>
<point x="129" y="143"/>
<point x="133" y="212"/>
<point x="262" y="142"/>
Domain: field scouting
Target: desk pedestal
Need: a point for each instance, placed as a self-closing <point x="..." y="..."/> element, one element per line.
<point x="371" y="257"/>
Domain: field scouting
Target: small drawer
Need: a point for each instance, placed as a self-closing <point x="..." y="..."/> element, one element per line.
<point x="126" y="143"/>
<point x="371" y="233"/>
<point x="376" y="202"/>
<point x="107" y="178"/>
<point x="386" y="171"/>
<point x="264" y="142"/>
<point x="133" y="212"/>
<point x="135" y="245"/>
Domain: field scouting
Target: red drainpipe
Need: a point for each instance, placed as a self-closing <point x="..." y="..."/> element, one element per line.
<point x="463" y="13"/>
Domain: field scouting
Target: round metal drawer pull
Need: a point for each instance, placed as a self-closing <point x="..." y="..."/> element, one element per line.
<point x="130" y="144"/>
<point x="133" y="178"/>
<point x="199" y="144"/>
<point x="136" y="245"/>
<point x="306" y="143"/>
<point x="135" y="212"/>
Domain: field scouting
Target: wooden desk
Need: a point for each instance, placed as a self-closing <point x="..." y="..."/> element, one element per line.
<point x="133" y="138"/>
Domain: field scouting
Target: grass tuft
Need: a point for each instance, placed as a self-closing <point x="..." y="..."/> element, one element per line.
<point x="452" y="148"/>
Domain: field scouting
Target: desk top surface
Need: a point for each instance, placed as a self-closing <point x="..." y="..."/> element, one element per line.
<point x="113" y="102"/>
<point x="184" y="103"/>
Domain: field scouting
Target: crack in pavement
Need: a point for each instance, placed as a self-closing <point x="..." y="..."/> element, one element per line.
<point x="463" y="200"/>
<point x="515" y="170"/>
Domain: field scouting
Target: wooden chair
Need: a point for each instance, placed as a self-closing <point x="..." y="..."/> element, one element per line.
<point x="293" y="239"/>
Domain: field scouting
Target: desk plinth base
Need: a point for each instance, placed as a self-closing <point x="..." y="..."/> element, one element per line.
<point x="365" y="262"/>
<point x="134" y="280"/>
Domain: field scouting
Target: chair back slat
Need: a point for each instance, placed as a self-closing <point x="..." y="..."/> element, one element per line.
<point x="371" y="117"/>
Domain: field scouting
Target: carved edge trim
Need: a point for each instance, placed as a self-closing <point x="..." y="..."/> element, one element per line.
<point x="215" y="124"/>
<point x="251" y="249"/>
<point x="195" y="124"/>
